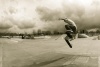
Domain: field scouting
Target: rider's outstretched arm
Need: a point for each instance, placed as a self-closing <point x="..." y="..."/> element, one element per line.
<point x="65" y="20"/>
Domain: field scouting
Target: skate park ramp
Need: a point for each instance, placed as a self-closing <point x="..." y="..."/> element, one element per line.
<point x="49" y="52"/>
<point x="82" y="36"/>
<point x="96" y="37"/>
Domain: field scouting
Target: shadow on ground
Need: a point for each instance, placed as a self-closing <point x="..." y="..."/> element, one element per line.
<point x="64" y="60"/>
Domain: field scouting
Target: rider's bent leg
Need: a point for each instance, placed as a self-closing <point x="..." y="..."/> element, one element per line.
<point x="69" y="31"/>
<point x="69" y="35"/>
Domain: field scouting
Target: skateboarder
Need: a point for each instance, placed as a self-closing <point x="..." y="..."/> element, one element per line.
<point x="71" y="28"/>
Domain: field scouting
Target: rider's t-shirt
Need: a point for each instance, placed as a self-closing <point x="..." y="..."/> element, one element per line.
<point x="70" y="22"/>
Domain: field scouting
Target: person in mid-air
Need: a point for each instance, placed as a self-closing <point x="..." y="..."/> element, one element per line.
<point x="71" y="28"/>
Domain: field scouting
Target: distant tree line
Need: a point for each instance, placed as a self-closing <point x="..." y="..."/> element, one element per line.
<point x="39" y="32"/>
<point x="90" y="33"/>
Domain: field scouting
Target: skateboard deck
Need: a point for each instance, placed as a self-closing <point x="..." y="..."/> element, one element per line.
<point x="69" y="44"/>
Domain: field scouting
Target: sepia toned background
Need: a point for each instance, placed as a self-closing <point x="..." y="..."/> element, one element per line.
<point x="31" y="34"/>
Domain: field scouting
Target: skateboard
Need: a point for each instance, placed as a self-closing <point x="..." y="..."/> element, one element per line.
<point x="68" y="42"/>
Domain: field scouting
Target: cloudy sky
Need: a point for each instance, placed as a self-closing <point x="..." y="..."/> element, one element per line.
<point x="28" y="15"/>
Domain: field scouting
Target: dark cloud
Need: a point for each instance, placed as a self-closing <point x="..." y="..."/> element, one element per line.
<point x="5" y="24"/>
<point x="51" y="19"/>
<point x="26" y="24"/>
<point x="85" y="17"/>
<point x="47" y="14"/>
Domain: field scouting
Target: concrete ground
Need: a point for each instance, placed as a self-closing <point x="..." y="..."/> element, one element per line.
<point x="49" y="52"/>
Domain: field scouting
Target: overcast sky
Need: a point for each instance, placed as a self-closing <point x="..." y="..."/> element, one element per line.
<point x="28" y="15"/>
